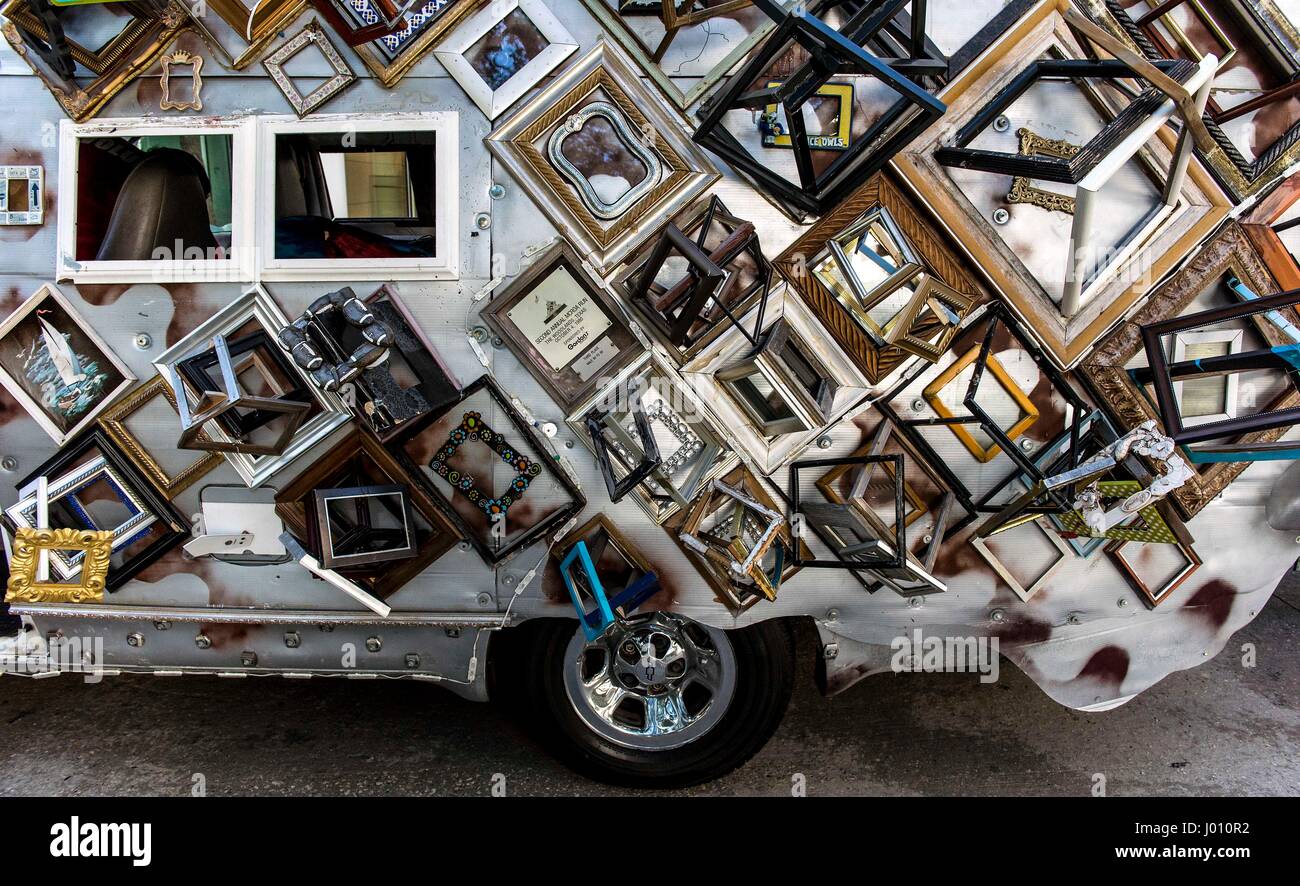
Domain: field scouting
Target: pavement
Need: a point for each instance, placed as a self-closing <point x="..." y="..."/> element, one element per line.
<point x="1218" y="729"/>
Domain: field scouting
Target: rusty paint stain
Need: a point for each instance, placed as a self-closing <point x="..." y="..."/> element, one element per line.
<point x="1213" y="602"/>
<point x="1107" y="665"/>
<point x="1024" y="631"/>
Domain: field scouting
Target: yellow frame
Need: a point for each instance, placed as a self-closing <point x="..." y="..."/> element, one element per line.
<point x="28" y="544"/>
<point x="842" y="91"/>
<point x="113" y="421"/>
<point x="945" y="378"/>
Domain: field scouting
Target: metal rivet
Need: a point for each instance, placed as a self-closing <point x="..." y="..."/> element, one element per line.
<point x="248" y="659"/>
<point x="483" y="221"/>
<point x="1001" y="216"/>
<point x="498" y="342"/>
<point x="412" y="660"/>
<point x="292" y="639"/>
<point x="202" y="641"/>
<point x="162" y="625"/>
<point x="926" y="539"/>
<point x="918" y="405"/>
<point x="497" y="191"/>
<point x="1026" y="444"/>
<point x="1074" y="618"/>
<point x="508" y="581"/>
<point x="568" y="444"/>
<point x="143" y="341"/>
<point x="550" y="428"/>
<point x="832" y="615"/>
<point x="997" y="615"/>
<point x="916" y="602"/>
<point x="824" y="442"/>
<point x="463" y="547"/>
<point x="1001" y="123"/>
<point x="484" y="599"/>
<point x="10" y="464"/>
<point x="1121" y="602"/>
<point x="480" y="334"/>
<point x="453" y="633"/>
<point x="374" y="644"/>
<point x="136" y="640"/>
<point x="830" y="650"/>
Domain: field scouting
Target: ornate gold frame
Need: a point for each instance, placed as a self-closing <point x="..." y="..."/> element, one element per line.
<point x="1229" y="252"/>
<point x="1034" y="145"/>
<point x="116" y="64"/>
<point x="113" y="421"/>
<point x="28" y="544"/>
<point x="926" y="238"/>
<point x="1008" y="384"/>
<point x="181" y="58"/>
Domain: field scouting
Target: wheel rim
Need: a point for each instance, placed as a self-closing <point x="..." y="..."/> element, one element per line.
<point x="656" y="682"/>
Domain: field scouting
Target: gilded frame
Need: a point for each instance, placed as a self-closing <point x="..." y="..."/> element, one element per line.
<point x="23" y="586"/>
<point x="388" y="71"/>
<point x="114" y="420"/>
<point x="133" y="51"/>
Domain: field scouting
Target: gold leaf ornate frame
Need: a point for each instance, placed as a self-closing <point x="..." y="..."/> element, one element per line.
<point x="182" y="59"/>
<point x="114" y="423"/>
<point x="1159" y="245"/>
<point x="1230" y="252"/>
<point x="28" y="543"/>
<point x="685" y="172"/>
<point x="796" y="264"/>
<point x="136" y="47"/>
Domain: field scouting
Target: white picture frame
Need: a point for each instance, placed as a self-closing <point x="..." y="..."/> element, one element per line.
<point x="493" y="102"/>
<point x="257" y="304"/>
<point x="1235" y="340"/>
<point x="25" y="399"/>
<point x="443" y="265"/>
<point x="1024" y="593"/>
<point x="238" y="268"/>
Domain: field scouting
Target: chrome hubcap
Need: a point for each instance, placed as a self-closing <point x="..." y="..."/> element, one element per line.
<point x="657" y="682"/>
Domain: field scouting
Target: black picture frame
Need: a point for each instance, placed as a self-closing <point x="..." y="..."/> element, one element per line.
<point x="362" y="530"/>
<point x="800" y="510"/>
<point x="597" y="420"/>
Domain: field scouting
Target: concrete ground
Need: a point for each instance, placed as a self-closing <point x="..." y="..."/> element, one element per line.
<point x="1217" y="729"/>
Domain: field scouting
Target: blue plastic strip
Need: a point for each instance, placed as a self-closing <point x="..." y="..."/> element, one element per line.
<point x="594" y="623"/>
<point x="1245" y="293"/>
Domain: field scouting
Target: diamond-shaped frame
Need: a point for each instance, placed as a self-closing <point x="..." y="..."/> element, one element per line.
<point x="312" y="33"/>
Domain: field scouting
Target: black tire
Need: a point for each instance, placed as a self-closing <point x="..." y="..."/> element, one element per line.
<point x="528" y="675"/>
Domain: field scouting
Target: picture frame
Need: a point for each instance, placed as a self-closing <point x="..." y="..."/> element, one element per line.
<point x="22" y="195"/>
<point x="481" y="77"/>
<point x="248" y="27"/>
<point x="312" y="34"/>
<point x="181" y="59"/>
<point x="362" y="532"/>
<point x="385" y="17"/>
<point x="591" y="339"/>
<point x="602" y="85"/>
<point x="115" y="422"/>
<point x="1151" y="236"/>
<point x="736" y="545"/>
<point x="474" y="449"/>
<point x="926" y="240"/>
<point x="75" y="365"/>
<point x="145" y="36"/>
<point x="23" y="584"/>
<point x="80" y="239"/>
<point x="985" y="547"/>
<point x="1230" y="252"/>
<point x="360" y="459"/>
<point x="614" y="22"/>
<point x="438" y="208"/>
<point x="150" y="527"/>
<point x="391" y="57"/>
<point x="1243" y="178"/>
<point x="857" y="543"/>
<point x="256" y="309"/>
<point x="614" y="574"/>
<point x="1151" y="595"/>
<point x="847" y="385"/>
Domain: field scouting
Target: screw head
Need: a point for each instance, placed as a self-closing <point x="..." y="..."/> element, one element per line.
<point x="162" y="625"/>
<point x="1026" y="444"/>
<point x="1001" y="216"/>
<point x="136" y="640"/>
<point x="202" y="641"/>
<point x="1001" y="123"/>
<point x="1121" y="602"/>
<point x="832" y="615"/>
<point x="483" y="221"/>
<point x="997" y="615"/>
<point x="918" y="405"/>
<point x="830" y="650"/>
<point x="824" y="442"/>
<point x="9" y="464"/>
<point x="497" y="191"/>
<point x="484" y="599"/>
<point x="915" y="602"/>
<point x="412" y="660"/>
<point x="292" y="639"/>
<point x="248" y="659"/>
<point x="143" y="341"/>
<point x="1074" y="618"/>
<point x="374" y="644"/>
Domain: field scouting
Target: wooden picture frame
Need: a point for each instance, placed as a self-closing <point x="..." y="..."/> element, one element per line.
<point x="78" y="365"/>
<point x="605" y="84"/>
<point x="1230" y="252"/>
<point x="798" y="263"/>
<point x="1153" y="246"/>
<point x="592" y="331"/>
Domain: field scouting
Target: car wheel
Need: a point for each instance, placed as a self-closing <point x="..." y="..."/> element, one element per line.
<point x="661" y="701"/>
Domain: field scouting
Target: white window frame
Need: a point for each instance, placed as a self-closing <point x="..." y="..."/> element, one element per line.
<point x="238" y="268"/>
<point x="445" y="265"/>
<point x="560" y="45"/>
